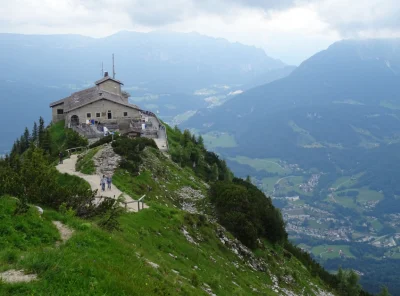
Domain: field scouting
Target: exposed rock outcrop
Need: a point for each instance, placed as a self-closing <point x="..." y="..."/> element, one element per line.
<point x="240" y="250"/>
<point x="188" y="198"/>
<point x="106" y="161"/>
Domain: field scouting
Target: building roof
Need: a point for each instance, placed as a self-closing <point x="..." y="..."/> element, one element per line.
<point x="107" y="78"/>
<point x="89" y="96"/>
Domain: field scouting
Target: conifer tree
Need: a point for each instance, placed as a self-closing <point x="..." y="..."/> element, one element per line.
<point x="41" y="130"/>
<point x="17" y="145"/>
<point x="214" y="172"/>
<point x="34" y="136"/>
<point x="194" y="141"/>
<point x="353" y="287"/>
<point x="227" y="174"/>
<point x="384" y="292"/>
<point x="342" y="281"/>
<point x="46" y="141"/>
<point x="200" y="142"/>
<point x="25" y="139"/>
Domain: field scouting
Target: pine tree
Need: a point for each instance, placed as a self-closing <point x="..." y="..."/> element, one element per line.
<point x="34" y="136"/>
<point x="200" y="142"/>
<point x="17" y="145"/>
<point x="227" y="174"/>
<point x="384" y="292"/>
<point x="185" y="138"/>
<point x="46" y="141"/>
<point x="214" y="172"/>
<point x="248" y="179"/>
<point x="26" y="139"/>
<point x="22" y="144"/>
<point x="342" y="281"/>
<point x="41" y="131"/>
<point x="194" y="141"/>
<point x="353" y="287"/>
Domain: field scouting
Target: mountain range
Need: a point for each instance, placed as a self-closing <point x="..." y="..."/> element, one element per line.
<point x="171" y="73"/>
<point x="341" y="99"/>
<point x="324" y="142"/>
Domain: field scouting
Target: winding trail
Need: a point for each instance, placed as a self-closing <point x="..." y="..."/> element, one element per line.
<point x="68" y="167"/>
<point x="277" y="182"/>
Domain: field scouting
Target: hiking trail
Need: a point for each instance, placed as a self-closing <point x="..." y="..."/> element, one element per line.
<point x="68" y="167"/>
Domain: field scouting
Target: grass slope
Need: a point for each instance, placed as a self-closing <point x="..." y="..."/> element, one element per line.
<point x="85" y="164"/>
<point x="95" y="262"/>
<point x="151" y="255"/>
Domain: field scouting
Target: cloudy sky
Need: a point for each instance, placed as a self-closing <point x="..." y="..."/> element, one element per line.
<point x="292" y="30"/>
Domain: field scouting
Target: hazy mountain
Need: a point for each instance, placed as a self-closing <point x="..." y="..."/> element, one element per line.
<point x="161" y="70"/>
<point x="328" y="133"/>
<point x="160" y="61"/>
<point x="347" y="95"/>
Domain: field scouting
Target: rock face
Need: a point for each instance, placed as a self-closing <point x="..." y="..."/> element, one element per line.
<point x="106" y="161"/>
<point x="188" y="198"/>
<point x="240" y="250"/>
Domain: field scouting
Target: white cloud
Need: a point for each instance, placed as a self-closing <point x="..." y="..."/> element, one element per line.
<point x="288" y="29"/>
<point x="357" y="17"/>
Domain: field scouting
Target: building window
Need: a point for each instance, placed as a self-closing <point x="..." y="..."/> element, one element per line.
<point x="97" y="114"/>
<point x="125" y="113"/>
<point x="88" y="115"/>
<point x="60" y="111"/>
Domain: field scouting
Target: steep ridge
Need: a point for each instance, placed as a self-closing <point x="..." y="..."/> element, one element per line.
<point x="162" y="250"/>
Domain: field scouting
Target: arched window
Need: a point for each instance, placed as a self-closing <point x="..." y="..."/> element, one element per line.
<point x="74" y="120"/>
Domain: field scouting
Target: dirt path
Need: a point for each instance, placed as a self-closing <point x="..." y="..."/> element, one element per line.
<point x="68" y="167"/>
<point x="65" y="231"/>
<point x="17" y="276"/>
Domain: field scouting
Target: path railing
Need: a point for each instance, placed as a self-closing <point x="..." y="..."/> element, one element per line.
<point x="140" y="200"/>
<point x="125" y="203"/>
<point x="71" y="150"/>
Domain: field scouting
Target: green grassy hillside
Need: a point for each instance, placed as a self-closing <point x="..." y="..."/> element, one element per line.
<point x="152" y="255"/>
<point x="175" y="247"/>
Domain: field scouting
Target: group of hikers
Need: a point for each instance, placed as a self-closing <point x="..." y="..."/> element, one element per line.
<point x="105" y="180"/>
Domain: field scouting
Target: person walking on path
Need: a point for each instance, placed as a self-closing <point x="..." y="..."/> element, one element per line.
<point x="61" y="157"/>
<point x="103" y="181"/>
<point x="109" y="180"/>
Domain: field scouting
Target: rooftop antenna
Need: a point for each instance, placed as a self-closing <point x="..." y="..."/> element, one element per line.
<point x="102" y="70"/>
<point x="113" y="66"/>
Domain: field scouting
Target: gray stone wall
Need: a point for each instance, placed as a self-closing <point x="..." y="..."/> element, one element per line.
<point x="102" y="107"/>
<point x="55" y="116"/>
<point x="111" y="86"/>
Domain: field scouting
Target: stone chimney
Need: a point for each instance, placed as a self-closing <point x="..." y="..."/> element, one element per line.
<point x="105" y="74"/>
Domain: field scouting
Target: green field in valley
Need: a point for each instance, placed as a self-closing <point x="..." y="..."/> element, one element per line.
<point x="366" y="194"/>
<point x="346" y="201"/>
<point x="346" y="181"/>
<point x="219" y="140"/>
<point x="270" y="165"/>
<point x="331" y="251"/>
<point x="376" y="224"/>
<point x="289" y="184"/>
<point x="268" y="184"/>
<point x="315" y="225"/>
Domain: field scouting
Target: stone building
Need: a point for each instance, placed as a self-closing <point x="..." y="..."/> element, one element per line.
<point x="104" y="103"/>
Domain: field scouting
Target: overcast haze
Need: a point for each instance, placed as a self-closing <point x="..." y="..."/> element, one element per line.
<point x="291" y="30"/>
